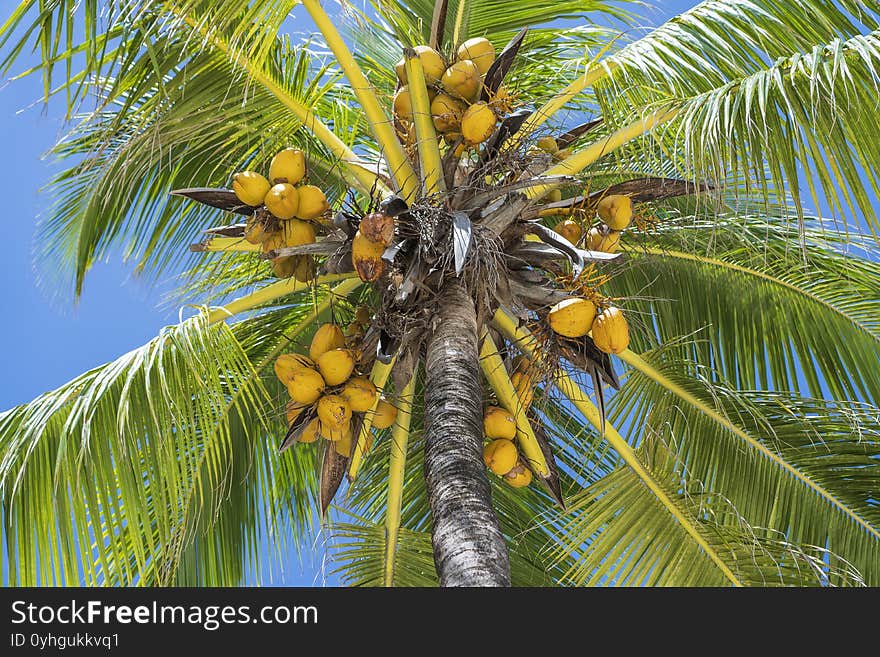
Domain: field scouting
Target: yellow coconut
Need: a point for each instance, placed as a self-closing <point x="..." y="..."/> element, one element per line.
<point x="334" y="411"/>
<point x="297" y="232"/>
<point x="360" y="393"/>
<point x="286" y="364"/>
<point x="335" y="366"/>
<point x="284" y="267"/>
<point x="610" y="331"/>
<point x="305" y="386"/>
<point x="519" y="477"/>
<point x="521" y="364"/>
<point x="305" y="268"/>
<point x="255" y="230"/>
<point x="570" y="230"/>
<point x="499" y="423"/>
<point x="597" y="240"/>
<point x="462" y="80"/>
<point x="272" y="242"/>
<point x="402" y="104"/>
<point x="328" y="336"/>
<point x="572" y="318"/>
<point x="312" y="202"/>
<point x="446" y="112"/>
<point x="524" y="385"/>
<point x="616" y="211"/>
<point x="432" y="63"/>
<point x="548" y="145"/>
<point x="342" y="440"/>
<point x="312" y="431"/>
<point x="477" y="123"/>
<point x="500" y="456"/>
<point x="480" y="51"/>
<point x="288" y="166"/>
<point x="385" y="415"/>
<point x="282" y="200"/>
<point x="366" y="255"/>
<point x="378" y="227"/>
<point x="250" y="187"/>
<point x="553" y="196"/>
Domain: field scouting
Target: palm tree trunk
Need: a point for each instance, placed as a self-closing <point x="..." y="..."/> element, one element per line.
<point x="469" y="548"/>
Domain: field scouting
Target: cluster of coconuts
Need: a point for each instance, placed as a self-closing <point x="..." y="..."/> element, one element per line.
<point x="500" y="454"/>
<point x="615" y="212"/>
<point x="454" y="90"/>
<point x="375" y="233"/>
<point x="578" y="316"/>
<point x="326" y="381"/>
<point x="292" y="207"/>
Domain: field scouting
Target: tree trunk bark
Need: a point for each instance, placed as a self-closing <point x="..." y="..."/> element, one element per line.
<point x="469" y="548"/>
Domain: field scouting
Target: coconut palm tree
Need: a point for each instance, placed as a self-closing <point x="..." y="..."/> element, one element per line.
<point x="732" y="441"/>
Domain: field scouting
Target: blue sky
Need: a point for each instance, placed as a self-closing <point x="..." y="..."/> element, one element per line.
<point x="49" y="341"/>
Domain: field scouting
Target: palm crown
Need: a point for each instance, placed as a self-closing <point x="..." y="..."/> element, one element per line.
<point x="741" y="441"/>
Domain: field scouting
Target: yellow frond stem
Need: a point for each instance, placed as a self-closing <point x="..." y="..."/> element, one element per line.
<point x="426" y="137"/>
<point x="583" y="158"/>
<point x="358" y="175"/>
<point x="496" y="375"/>
<point x="382" y="126"/>
<point x="227" y="244"/>
<point x="396" y="467"/>
<point x="379" y="376"/>
<point x="538" y="118"/>
<point x="637" y="362"/>
<point x="576" y="396"/>
<point x="280" y="289"/>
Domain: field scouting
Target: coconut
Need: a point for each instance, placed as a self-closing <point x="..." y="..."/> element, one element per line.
<point x="305" y="268"/>
<point x="328" y="336"/>
<point x="250" y="187"/>
<point x="286" y="364"/>
<point x="385" y="415"/>
<point x="519" y="477"/>
<point x="334" y="412"/>
<point x="573" y="317"/>
<point x="598" y="240"/>
<point x="312" y="202"/>
<point x="297" y="232"/>
<point x="402" y="104"/>
<point x="288" y="166"/>
<point x="500" y="456"/>
<point x="335" y="366"/>
<point x="433" y="63"/>
<point x="366" y="255"/>
<point x="272" y="242"/>
<point x="462" y="80"/>
<point x="477" y="123"/>
<point x="553" y="196"/>
<point x="284" y="267"/>
<point x="548" y="145"/>
<point x="282" y="200"/>
<point x="360" y="393"/>
<point x="480" y="51"/>
<point x="312" y="431"/>
<point x="446" y="112"/>
<point x="610" y="331"/>
<point x="524" y="385"/>
<point x="343" y="440"/>
<point x="255" y="230"/>
<point x="616" y="210"/>
<point x="305" y="386"/>
<point x="378" y="227"/>
<point x="570" y="230"/>
<point x="498" y="423"/>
